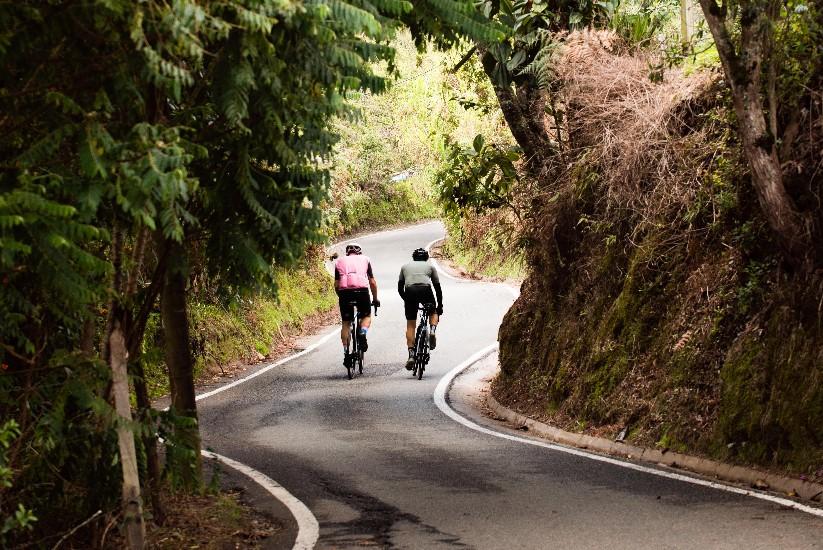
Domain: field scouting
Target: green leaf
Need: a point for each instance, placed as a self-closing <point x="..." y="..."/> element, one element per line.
<point x="478" y="142"/>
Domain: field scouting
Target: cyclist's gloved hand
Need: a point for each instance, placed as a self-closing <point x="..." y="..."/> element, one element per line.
<point x="375" y="303"/>
<point x="439" y="309"/>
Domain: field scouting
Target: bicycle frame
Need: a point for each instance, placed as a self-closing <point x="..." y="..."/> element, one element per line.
<point x="354" y="355"/>
<point x="421" y="341"/>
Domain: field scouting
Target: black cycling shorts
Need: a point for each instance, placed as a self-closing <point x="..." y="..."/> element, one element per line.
<point x="416" y="295"/>
<point x="351" y="297"/>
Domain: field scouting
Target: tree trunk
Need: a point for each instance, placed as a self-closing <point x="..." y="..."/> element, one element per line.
<point x="144" y="409"/>
<point x="523" y="119"/>
<point x="782" y="214"/>
<point x="684" y="25"/>
<point x="181" y="367"/>
<point x="743" y="73"/>
<point x="116" y="260"/>
<point x="136" y="328"/>
<point x="135" y="529"/>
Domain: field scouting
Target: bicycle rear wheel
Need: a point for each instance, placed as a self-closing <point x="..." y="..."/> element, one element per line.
<point x="417" y="341"/>
<point x="422" y="349"/>
<point x="351" y="363"/>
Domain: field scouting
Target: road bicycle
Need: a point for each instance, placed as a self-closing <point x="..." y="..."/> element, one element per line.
<point x="353" y="358"/>
<point x="421" y="341"/>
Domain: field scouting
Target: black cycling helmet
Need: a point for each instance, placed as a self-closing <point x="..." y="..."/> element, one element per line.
<point x="420" y="254"/>
<point x="353" y="248"/>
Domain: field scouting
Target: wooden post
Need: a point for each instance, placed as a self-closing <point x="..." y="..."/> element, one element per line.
<point x="135" y="529"/>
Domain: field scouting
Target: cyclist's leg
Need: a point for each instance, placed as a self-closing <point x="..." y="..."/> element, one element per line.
<point x="346" y="315"/>
<point x="410" y="312"/>
<point x="410" y="333"/>
<point x="410" y="343"/>
<point x="364" y="310"/>
<point x="433" y="318"/>
<point x="410" y="303"/>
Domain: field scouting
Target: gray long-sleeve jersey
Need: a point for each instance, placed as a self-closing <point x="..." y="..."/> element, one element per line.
<point x="419" y="272"/>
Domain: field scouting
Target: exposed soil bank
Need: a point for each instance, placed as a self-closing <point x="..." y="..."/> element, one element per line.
<point x="656" y="301"/>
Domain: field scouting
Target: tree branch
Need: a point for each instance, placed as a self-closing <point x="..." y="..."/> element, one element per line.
<point x="465" y="59"/>
<point x="716" y="20"/>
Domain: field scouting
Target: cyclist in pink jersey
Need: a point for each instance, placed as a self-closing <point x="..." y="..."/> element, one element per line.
<point x="353" y="277"/>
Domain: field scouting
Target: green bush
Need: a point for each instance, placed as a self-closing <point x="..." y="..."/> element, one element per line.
<point x="388" y="203"/>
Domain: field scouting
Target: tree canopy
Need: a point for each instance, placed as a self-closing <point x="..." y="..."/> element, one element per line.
<point x="141" y="141"/>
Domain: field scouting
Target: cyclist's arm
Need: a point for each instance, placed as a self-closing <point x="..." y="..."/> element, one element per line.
<point x="336" y="279"/>
<point x="372" y="283"/>
<point x="401" y="286"/>
<point x="373" y="286"/>
<point x="436" y="284"/>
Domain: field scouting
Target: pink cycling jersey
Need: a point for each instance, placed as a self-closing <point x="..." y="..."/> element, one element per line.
<point x="352" y="271"/>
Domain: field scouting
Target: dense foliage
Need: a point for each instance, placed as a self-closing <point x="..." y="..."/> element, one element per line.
<point x="146" y="145"/>
<point x="672" y="230"/>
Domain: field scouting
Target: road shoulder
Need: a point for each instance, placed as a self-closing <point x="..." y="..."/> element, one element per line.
<point x="469" y="395"/>
<point x="255" y="496"/>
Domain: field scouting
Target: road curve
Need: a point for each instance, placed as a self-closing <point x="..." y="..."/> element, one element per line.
<point x="380" y="465"/>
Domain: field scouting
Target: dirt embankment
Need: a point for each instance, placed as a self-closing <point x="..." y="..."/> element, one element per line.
<point x="655" y="300"/>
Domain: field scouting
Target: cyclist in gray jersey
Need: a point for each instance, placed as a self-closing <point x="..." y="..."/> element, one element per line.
<point x="415" y="287"/>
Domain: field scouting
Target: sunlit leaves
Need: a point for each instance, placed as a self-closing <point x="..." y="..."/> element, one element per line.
<point x="477" y="178"/>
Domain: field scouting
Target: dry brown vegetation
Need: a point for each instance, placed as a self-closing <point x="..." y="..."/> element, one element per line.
<point x="636" y="131"/>
<point x="211" y="521"/>
<point x="656" y="300"/>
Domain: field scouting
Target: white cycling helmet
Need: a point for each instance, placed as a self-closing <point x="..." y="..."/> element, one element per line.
<point x="353" y="248"/>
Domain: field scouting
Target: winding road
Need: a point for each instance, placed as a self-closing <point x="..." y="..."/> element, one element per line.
<point x="379" y="464"/>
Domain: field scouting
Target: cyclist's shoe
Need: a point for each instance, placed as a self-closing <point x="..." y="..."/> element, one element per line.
<point x="432" y="340"/>
<point x="364" y="343"/>
<point x="347" y="360"/>
<point x="410" y="363"/>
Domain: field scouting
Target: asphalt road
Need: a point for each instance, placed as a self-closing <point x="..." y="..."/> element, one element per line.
<point x="380" y="465"/>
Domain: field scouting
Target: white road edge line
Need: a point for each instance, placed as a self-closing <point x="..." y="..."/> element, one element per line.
<point x="269" y="367"/>
<point x="441" y="391"/>
<point x="308" y="529"/>
<point x="312" y="347"/>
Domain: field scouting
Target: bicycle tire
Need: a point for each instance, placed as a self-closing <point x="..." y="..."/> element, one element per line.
<point x="421" y="352"/>
<point x="355" y="352"/>
<point x="417" y="340"/>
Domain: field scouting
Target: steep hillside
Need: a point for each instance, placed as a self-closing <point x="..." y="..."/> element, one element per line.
<point x="655" y="299"/>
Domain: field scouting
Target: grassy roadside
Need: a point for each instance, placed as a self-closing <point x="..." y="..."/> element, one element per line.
<point x="480" y="264"/>
<point x="475" y="250"/>
<point x="247" y="331"/>
<point x="387" y="204"/>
